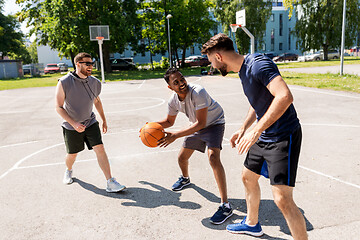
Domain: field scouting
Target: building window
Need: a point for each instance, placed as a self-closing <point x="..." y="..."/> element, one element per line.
<point x="280" y="46"/>
<point x="272" y="17"/>
<point x="280" y="24"/>
<point x="289" y="39"/>
<point x="272" y="39"/>
<point x="192" y="50"/>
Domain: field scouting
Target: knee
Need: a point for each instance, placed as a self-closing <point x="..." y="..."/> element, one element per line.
<point x="182" y="159"/>
<point x="283" y="203"/>
<point x="99" y="148"/>
<point x="214" y="160"/>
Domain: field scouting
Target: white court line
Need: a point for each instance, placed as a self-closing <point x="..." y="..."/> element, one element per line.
<point x="27" y="157"/>
<point x="331" y="177"/>
<point x="17" y="144"/>
<point x="142" y="83"/>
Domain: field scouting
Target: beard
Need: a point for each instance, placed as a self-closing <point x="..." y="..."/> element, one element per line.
<point x="84" y="71"/>
<point x="223" y="70"/>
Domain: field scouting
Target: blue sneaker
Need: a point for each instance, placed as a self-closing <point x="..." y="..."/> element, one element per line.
<point x="243" y="228"/>
<point x="221" y="214"/>
<point x="180" y="184"/>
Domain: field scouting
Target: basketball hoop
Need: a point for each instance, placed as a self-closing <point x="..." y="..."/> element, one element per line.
<point x="234" y="27"/>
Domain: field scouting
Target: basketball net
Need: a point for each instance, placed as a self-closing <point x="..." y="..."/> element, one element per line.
<point x="234" y="27"/>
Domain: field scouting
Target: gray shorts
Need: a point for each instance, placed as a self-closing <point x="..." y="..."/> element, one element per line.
<point x="210" y="136"/>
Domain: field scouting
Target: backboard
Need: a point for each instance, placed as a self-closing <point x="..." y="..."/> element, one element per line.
<point x="240" y="18"/>
<point x="99" y="31"/>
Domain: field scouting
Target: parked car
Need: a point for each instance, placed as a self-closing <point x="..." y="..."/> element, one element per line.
<point x="286" y="56"/>
<point x="122" y="64"/>
<point x="63" y="67"/>
<point x="51" y="68"/>
<point x="319" y="55"/>
<point x="197" y="61"/>
<point x="26" y="69"/>
<point x="270" y="55"/>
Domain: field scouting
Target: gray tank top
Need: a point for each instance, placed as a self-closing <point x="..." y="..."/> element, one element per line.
<point x="79" y="98"/>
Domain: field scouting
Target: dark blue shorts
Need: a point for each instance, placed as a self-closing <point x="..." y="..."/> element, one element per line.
<point x="281" y="158"/>
<point x="211" y="137"/>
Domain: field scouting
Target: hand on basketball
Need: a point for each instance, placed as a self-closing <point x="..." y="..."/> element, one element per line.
<point x="79" y="127"/>
<point x="235" y="138"/>
<point x="165" y="141"/>
<point x="247" y="141"/>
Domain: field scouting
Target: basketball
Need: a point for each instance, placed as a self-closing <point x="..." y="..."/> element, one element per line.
<point x="150" y="133"/>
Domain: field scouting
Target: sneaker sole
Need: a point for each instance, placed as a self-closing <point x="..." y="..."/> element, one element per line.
<point x="259" y="234"/>
<point x="178" y="189"/>
<point x="217" y="223"/>
<point x="111" y="191"/>
<point x="67" y="183"/>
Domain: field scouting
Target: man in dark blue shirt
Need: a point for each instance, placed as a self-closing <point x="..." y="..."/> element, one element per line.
<point x="275" y="139"/>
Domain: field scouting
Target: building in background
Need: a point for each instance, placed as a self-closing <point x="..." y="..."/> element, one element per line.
<point x="47" y="55"/>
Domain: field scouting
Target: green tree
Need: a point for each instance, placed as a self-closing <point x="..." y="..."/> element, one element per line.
<point x="257" y="14"/>
<point x="191" y="24"/>
<point x="32" y="49"/>
<point x="319" y="23"/>
<point x="12" y="39"/>
<point x="153" y="30"/>
<point x="64" y="25"/>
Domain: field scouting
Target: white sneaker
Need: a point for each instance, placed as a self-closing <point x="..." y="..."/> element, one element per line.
<point x="113" y="186"/>
<point x="68" y="177"/>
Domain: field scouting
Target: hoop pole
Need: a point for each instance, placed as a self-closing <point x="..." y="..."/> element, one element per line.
<point x="100" y="42"/>
<point x="251" y="38"/>
<point x="343" y="40"/>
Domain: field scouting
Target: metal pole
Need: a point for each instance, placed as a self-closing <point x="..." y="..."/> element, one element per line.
<point x="343" y="40"/>
<point x="251" y="38"/>
<point x="168" y="19"/>
<point x="100" y="41"/>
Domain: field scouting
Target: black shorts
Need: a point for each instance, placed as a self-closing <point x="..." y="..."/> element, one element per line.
<point x="74" y="141"/>
<point x="281" y="158"/>
<point x="211" y="136"/>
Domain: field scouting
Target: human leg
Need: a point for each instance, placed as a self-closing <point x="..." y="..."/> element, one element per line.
<point x="183" y="161"/>
<point x="219" y="172"/>
<point x="103" y="160"/>
<point x="69" y="161"/>
<point x="283" y="197"/>
<point x="252" y="195"/>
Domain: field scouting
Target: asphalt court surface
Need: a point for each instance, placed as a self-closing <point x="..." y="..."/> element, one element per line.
<point x="35" y="204"/>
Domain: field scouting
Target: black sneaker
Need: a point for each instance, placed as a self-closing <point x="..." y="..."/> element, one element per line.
<point x="180" y="184"/>
<point x="221" y="215"/>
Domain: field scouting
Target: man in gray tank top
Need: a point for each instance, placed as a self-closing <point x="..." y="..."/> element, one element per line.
<point x="76" y="93"/>
<point x="206" y="130"/>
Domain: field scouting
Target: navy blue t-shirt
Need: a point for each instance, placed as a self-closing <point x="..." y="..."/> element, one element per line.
<point x="256" y="73"/>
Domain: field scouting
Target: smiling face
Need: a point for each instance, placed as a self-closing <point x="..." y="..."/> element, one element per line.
<point x="178" y="84"/>
<point x="83" y="68"/>
<point x="217" y="62"/>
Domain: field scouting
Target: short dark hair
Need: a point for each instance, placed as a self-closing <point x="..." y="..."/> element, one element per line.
<point x="80" y="56"/>
<point x="219" y="42"/>
<point x="169" y="72"/>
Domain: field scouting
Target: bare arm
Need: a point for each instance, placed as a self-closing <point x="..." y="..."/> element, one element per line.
<point x="59" y="103"/>
<point x="168" y="121"/>
<point x="99" y="108"/>
<point x="282" y="100"/>
<point x="201" y="117"/>
<point x="250" y="118"/>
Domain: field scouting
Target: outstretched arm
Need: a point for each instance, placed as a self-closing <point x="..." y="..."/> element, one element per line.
<point x="250" y="118"/>
<point x="201" y="117"/>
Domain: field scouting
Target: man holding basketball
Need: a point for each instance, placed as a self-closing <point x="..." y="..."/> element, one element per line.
<point x="76" y="93"/>
<point x="275" y="138"/>
<point x="206" y="130"/>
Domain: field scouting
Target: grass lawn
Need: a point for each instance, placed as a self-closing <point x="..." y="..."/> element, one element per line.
<point x="332" y="62"/>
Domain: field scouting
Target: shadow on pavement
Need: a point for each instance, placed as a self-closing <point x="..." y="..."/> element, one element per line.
<point x="142" y="197"/>
<point x="269" y="214"/>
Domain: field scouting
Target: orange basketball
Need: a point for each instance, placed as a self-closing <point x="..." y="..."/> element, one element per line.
<point x="150" y="133"/>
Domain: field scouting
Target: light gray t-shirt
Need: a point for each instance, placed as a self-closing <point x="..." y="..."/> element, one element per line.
<point x="196" y="98"/>
<point x="79" y="98"/>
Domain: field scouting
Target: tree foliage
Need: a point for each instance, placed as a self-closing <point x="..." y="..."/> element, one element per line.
<point x="257" y="14"/>
<point x="319" y="24"/>
<point x="64" y="24"/>
<point x="12" y="39"/>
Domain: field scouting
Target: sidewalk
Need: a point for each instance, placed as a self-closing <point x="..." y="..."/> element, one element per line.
<point x="353" y="69"/>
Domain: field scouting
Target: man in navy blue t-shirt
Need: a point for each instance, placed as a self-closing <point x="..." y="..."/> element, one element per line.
<point x="273" y="143"/>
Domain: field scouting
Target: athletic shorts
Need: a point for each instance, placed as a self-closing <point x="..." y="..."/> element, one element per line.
<point x="74" y="141"/>
<point x="281" y="158"/>
<point x="210" y="136"/>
